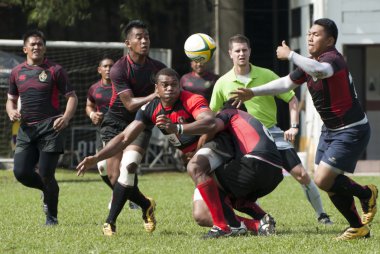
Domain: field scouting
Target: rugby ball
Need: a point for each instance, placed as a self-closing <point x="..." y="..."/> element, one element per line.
<point x="199" y="47"/>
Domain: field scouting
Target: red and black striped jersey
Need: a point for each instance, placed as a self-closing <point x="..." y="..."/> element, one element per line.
<point x="185" y="110"/>
<point x="335" y="97"/>
<point x="200" y="85"/>
<point x="129" y="76"/>
<point x="250" y="136"/>
<point x="100" y="95"/>
<point x="38" y="88"/>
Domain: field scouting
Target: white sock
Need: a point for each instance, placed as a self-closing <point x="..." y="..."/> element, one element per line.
<point x="312" y="194"/>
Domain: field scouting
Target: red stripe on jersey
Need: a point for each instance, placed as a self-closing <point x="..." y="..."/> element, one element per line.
<point x="246" y="135"/>
<point x="340" y="94"/>
<point x="156" y="112"/>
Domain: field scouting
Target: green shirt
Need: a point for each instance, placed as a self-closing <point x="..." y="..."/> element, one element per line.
<point x="261" y="107"/>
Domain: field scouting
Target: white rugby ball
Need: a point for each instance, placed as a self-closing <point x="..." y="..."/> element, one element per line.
<point x="199" y="47"/>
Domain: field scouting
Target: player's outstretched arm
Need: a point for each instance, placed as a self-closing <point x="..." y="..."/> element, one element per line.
<point x="116" y="145"/>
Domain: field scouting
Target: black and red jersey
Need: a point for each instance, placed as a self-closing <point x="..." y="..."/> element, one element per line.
<point x="38" y="88"/>
<point x="185" y="110"/>
<point x="250" y="136"/>
<point x="200" y="85"/>
<point x="129" y="76"/>
<point x="100" y="94"/>
<point x="335" y="97"/>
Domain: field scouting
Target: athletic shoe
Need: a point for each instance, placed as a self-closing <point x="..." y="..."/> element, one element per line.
<point x="148" y="217"/>
<point x="216" y="232"/>
<point x="369" y="206"/>
<point x="241" y="230"/>
<point x="109" y="229"/>
<point x="325" y="219"/>
<point x="267" y="226"/>
<point x="51" y="220"/>
<point x="354" y="233"/>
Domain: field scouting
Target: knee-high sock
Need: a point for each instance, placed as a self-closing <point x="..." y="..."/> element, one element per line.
<point x="251" y="224"/>
<point x="248" y="207"/>
<point x="139" y="199"/>
<point x="346" y="206"/>
<point x="107" y="181"/>
<point x="313" y="196"/>
<point x="120" y="197"/>
<point x="210" y="194"/>
<point x="51" y="194"/>
<point x="344" y="185"/>
<point x="228" y="211"/>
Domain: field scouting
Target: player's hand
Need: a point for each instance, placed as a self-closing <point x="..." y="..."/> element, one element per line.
<point x="60" y="123"/>
<point x="241" y="95"/>
<point x="85" y="164"/>
<point x="283" y="51"/>
<point x="14" y="115"/>
<point x="164" y="123"/>
<point x="97" y="117"/>
<point x="290" y="135"/>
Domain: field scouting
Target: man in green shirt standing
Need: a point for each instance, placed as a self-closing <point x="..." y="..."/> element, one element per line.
<point x="263" y="108"/>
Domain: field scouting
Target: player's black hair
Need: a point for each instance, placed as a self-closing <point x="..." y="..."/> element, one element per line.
<point x="228" y="105"/>
<point x="32" y="33"/>
<point x="133" y="24"/>
<point x="239" y="38"/>
<point x="105" y="57"/>
<point x="167" y="72"/>
<point x="329" y="26"/>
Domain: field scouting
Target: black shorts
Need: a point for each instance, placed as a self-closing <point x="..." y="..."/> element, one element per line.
<point x="250" y="178"/>
<point x="111" y="127"/>
<point x="41" y="136"/>
<point x="222" y="145"/>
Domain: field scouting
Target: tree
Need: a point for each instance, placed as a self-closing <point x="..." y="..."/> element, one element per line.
<point x="40" y="12"/>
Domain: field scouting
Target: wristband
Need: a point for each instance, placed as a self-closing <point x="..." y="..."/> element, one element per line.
<point x="295" y="125"/>
<point x="179" y="129"/>
<point x="91" y="114"/>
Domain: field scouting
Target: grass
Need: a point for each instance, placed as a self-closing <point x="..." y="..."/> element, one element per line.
<point x="83" y="209"/>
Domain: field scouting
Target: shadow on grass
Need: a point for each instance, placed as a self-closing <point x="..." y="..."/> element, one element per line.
<point x="79" y="180"/>
<point x="309" y="231"/>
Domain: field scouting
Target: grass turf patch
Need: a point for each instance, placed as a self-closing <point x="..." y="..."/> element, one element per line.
<point x="83" y="209"/>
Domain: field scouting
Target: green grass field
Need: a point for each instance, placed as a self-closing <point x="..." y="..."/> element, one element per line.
<point x="83" y="209"/>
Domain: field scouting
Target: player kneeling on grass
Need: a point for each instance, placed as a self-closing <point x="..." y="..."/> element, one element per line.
<point x="253" y="173"/>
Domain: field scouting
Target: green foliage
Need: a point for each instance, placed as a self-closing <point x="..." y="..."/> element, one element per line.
<point x="83" y="209"/>
<point x="66" y="12"/>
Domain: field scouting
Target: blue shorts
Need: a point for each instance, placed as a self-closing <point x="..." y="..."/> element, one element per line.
<point x="342" y="149"/>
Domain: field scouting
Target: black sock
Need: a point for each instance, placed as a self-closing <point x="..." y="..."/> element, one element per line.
<point x="120" y="197"/>
<point x="346" y="206"/>
<point x="51" y="194"/>
<point x="344" y="185"/>
<point x="228" y="212"/>
<point x="107" y="181"/>
<point x="248" y="207"/>
<point x="139" y="199"/>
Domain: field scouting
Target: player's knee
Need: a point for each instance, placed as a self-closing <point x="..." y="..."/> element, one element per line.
<point x="102" y="167"/>
<point x="321" y="182"/>
<point x="197" y="167"/>
<point x="21" y="175"/>
<point x="201" y="214"/>
<point x="299" y="173"/>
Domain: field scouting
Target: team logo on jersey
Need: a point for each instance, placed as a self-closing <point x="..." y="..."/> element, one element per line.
<point x="43" y="76"/>
<point x="22" y="77"/>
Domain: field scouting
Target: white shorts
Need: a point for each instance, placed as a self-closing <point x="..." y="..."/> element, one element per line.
<point x="214" y="159"/>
